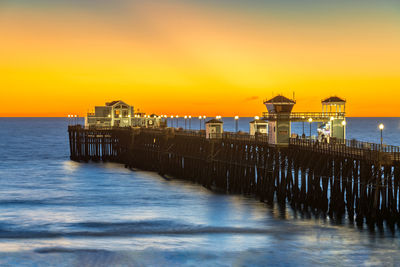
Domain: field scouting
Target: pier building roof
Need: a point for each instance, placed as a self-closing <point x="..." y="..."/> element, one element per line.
<point x="333" y="99"/>
<point x="112" y="103"/>
<point x="258" y="121"/>
<point x="279" y="104"/>
<point x="214" y="121"/>
<point x="280" y="99"/>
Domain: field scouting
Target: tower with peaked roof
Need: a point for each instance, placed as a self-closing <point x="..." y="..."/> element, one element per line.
<point x="279" y="125"/>
<point x="335" y="108"/>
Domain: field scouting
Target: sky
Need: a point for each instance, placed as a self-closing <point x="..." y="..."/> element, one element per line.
<point x="192" y="57"/>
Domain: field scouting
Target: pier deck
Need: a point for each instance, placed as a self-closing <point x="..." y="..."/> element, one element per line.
<point x="357" y="179"/>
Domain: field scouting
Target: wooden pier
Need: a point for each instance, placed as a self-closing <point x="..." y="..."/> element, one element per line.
<point x="356" y="179"/>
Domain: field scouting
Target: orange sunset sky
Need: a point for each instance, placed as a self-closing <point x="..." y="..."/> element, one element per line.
<point x="195" y="57"/>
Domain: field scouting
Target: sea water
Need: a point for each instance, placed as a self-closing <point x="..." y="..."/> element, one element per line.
<point x="56" y="212"/>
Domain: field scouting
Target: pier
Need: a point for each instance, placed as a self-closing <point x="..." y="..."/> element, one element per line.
<point x="338" y="178"/>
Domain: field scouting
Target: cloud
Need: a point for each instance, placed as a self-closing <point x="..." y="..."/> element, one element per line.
<point x="251" y="98"/>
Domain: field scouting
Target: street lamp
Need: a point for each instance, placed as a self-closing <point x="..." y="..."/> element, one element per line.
<point x="185" y="121"/>
<point x="381" y="127"/>
<point x="204" y="121"/>
<point x="344" y="131"/>
<point x="177" y="121"/>
<point x="310" y="121"/>
<point x="200" y="122"/>
<point x="332" y="126"/>
<point x="256" y="118"/>
<point x="190" y="122"/>
<point x="237" y="123"/>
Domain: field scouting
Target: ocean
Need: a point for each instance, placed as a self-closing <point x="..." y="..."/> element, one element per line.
<point x="56" y="212"/>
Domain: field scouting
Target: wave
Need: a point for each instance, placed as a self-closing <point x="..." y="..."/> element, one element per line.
<point x="68" y="250"/>
<point x="122" y="229"/>
<point x="23" y="202"/>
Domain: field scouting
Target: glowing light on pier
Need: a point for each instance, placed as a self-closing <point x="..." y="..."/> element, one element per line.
<point x="381" y="127"/>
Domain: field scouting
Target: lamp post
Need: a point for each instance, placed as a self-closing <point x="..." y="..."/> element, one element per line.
<point x="172" y="121"/>
<point x="200" y="122"/>
<point x="190" y="122"/>
<point x="204" y="121"/>
<point x="237" y="123"/>
<point x="185" y="121"/>
<point x="381" y="127"/>
<point x="344" y="132"/>
<point x="177" y="121"/>
<point x="310" y="121"/>
<point x="332" y="126"/>
<point x="256" y="118"/>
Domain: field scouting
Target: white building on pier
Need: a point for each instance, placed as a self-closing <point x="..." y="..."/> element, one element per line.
<point x="119" y="114"/>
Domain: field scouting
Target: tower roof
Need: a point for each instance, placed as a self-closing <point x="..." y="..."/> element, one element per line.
<point x="280" y="99"/>
<point x="214" y="121"/>
<point x="112" y="103"/>
<point x="333" y="99"/>
<point x="258" y="121"/>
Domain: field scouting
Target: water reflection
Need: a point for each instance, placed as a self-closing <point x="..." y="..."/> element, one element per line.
<point x="58" y="212"/>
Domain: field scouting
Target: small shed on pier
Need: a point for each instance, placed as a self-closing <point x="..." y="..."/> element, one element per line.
<point x="258" y="126"/>
<point x="214" y="129"/>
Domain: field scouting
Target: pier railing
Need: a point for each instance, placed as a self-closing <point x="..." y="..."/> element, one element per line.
<point x="304" y="116"/>
<point x="348" y="148"/>
<point x="351" y="148"/>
